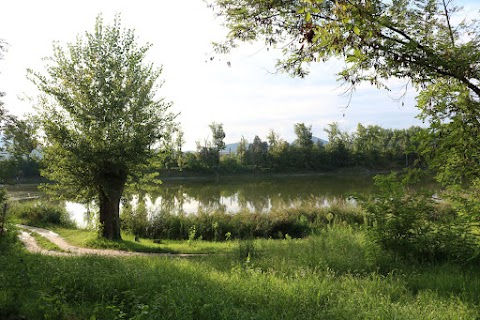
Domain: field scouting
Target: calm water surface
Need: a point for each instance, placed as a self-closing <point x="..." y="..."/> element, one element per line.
<point x="228" y="194"/>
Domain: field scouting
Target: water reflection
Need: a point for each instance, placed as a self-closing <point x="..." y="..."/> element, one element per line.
<point x="190" y="197"/>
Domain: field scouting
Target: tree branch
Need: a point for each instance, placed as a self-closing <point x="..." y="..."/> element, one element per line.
<point x="447" y="16"/>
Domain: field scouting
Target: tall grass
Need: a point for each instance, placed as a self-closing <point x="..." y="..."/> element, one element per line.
<point x="295" y="221"/>
<point x="329" y="276"/>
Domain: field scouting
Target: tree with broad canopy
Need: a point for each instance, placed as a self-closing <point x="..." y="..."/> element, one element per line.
<point x="101" y="117"/>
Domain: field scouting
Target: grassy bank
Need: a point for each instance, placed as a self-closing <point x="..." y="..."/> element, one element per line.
<point x="338" y="274"/>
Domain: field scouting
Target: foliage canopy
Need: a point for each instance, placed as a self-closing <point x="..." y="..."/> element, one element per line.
<point x="101" y="116"/>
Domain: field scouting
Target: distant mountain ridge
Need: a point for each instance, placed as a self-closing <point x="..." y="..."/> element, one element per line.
<point x="232" y="147"/>
<point x="316" y="140"/>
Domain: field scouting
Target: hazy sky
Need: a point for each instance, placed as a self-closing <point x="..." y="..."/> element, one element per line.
<point x="246" y="97"/>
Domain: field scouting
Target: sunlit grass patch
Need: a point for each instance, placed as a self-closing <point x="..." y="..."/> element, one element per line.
<point x="45" y="244"/>
<point x="90" y="239"/>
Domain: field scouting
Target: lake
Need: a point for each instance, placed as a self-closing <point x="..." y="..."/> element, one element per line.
<point x="230" y="194"/>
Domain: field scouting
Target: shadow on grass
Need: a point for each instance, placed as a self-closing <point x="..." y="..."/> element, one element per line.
<point x="127" y="245"/>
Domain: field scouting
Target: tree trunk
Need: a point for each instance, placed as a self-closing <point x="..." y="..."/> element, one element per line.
<point x="109" y="203"/>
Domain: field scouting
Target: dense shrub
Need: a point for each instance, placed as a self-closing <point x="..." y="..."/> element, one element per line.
<point x="41" y="213"/>
<point x="414" y="225"/>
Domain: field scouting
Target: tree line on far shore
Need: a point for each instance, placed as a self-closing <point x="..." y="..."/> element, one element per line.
<point x="371" y="147"/>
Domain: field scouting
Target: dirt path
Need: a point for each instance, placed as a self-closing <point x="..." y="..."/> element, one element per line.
<point x="71" y="250"/>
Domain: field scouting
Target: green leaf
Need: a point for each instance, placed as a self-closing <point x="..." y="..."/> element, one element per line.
<point x="351" y="58"/>
<point x="356" y="30"/>
<point x="308" y="17"/>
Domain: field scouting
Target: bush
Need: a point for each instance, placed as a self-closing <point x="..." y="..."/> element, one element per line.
<point x="41" y="213"/>
<point x="413" y="225"/>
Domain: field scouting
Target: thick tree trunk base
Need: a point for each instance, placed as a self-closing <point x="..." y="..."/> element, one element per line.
<point x="110" y="211"/>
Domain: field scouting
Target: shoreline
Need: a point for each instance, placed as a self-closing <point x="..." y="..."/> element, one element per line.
<point x="252" y="175"/>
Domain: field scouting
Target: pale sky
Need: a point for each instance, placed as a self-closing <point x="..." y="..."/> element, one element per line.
<point x="246" y="97"/>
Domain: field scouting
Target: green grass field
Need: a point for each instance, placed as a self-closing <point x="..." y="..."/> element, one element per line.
<point x="337" y="274"/>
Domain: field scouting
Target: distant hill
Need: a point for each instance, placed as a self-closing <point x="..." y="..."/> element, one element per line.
<point x="232" y="147"/>
<point x="316" y="140"/>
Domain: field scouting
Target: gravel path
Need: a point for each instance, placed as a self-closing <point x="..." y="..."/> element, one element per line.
<point x="71" y="250"/>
